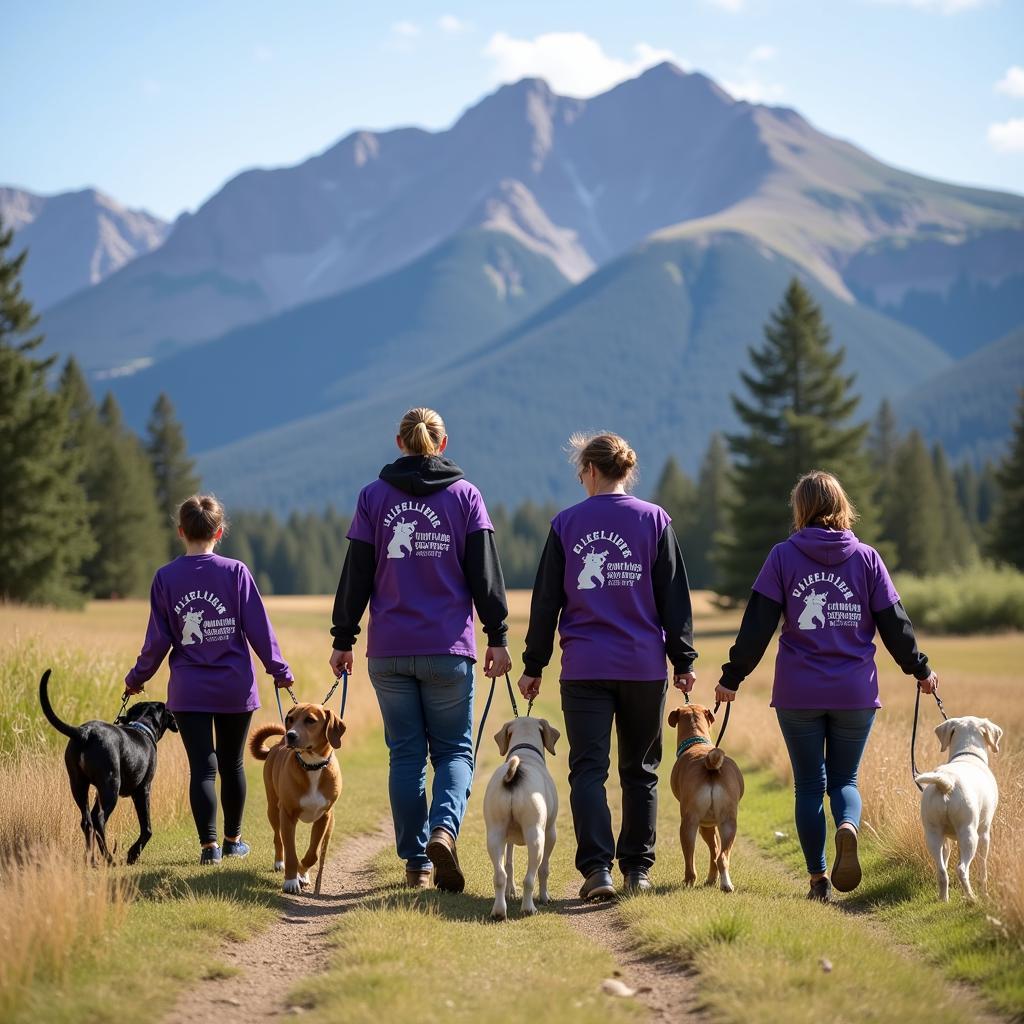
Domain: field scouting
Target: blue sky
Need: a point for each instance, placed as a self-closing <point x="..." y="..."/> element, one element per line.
<point x="158" y="105"/>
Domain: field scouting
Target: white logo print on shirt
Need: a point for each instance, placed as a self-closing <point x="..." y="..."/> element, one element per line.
<point x="401" y="539"/>
<point x="192" y="630"/>
<point x="814" y="611"/>
<point x="593" y="563"/>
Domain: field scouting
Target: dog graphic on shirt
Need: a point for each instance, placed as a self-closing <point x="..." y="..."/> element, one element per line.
<point x="593" y="563"/>
<point x="814" y="611"/>
<point x="192" y="629"/>
<point x="401" y="539"/>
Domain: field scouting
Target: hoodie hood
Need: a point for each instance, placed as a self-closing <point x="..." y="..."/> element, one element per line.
<point x="829" y="547"/>
<point x="421" y="474"/>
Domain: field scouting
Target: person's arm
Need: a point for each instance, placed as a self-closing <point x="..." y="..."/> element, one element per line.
<point x="897" y="633"/>
<point x="760" y="620"/>
<point x="258" y="631"/>
<point x="545" y="606"/>
<point x="354" y="590"/>
<point x="487" y="585"/>
<point x="156" y="645"/>
<point x="672" y="598"/>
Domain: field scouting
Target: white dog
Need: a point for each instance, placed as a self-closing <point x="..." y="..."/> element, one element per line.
<point x="960" y="799"/>
<point x="520" y="808"/>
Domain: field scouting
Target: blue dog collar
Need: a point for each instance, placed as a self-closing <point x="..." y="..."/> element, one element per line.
<point x="691" y="742"/>
<point x="141" y="727"/>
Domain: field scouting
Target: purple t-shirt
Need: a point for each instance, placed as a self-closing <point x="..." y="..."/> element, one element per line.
<point x="206" y="610"/>
<point x="421" y="602"/>
<point x="609" y="626"/>
<point x="829" y="584"/>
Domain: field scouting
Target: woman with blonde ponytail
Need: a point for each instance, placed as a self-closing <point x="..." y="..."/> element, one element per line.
<point x="422" y="555"/>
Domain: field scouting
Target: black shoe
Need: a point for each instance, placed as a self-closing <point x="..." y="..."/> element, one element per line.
<point x="598" y="885"/>
<point x="636" y="881"/>
<point x="821" y="890"/>
<point x="448" y="875"/>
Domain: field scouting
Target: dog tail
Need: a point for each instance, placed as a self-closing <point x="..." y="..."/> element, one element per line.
<point x="264" y="732"/>
<point x="71" y="731"/>
<point x="713" y="759"/>
<point x="512" y="774"/>
<point x="941" y="782"/>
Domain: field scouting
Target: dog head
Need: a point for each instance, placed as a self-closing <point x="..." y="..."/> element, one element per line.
<point x="691" y="720"/>
<point x="312" y="727"/>
<point x="526" y="730"/>
<point x="153" y="713"/>
<point x="958" y="734"/>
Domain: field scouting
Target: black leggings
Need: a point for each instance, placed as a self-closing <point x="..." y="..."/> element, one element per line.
<point x="205" y="757"/>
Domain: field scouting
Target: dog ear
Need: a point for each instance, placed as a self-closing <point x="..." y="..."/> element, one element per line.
<point x="550" y="735"/>
<point x="673" y="717"/>
<point x="169" y="722"/>
<point x="335" y="729"/>
<point x="503" y="737"/>
<point x="945" y="733"/>
<point x="992" y="733"/>
<point x="709" y="715"/>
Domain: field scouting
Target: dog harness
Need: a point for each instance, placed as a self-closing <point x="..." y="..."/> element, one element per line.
<point x="317" y="765"/>
<point x="691" y="742"/>
<point x="141" y="727"/>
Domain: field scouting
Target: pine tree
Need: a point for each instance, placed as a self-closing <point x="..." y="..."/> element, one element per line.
<point x="959" y="545"/>
<point x="174" y="472"/>
<point x="988" y="494"/>
<point x="676" y="493"/>
<point x="797" y="419"/>
<point x="710" y="520"/>
<point x="1007" y="535"/>
<point x="883" y="438"/>
<point x="968" y="494"/>
<point x="43" y="514"/>
<point x="912" y="513"/>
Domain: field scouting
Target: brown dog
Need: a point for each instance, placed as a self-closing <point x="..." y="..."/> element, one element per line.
<point x="708" y="786"/>
<point x="303" y="782"/>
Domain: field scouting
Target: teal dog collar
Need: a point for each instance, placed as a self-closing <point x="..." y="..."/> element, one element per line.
<point x="691" y="742"/>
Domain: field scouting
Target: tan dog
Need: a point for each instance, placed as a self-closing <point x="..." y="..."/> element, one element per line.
<point x="520" y="808"/>
<point x="708" y="786"/>
<point x="303" y="782"/>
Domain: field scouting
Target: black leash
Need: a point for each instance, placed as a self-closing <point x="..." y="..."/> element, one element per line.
<point x="487" y="708"/>
<point x="725" y="721"/>
<point x="124" y="703"/>
<point x="913" y="731"/>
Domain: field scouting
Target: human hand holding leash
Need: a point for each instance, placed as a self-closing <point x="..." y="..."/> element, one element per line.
<point x="529" y="686"/>
<point x="723" y="695"/>
<point x="341" y="661"/>
<point x="497" y="662"/>
<point x="132" y="688"/>
<point x="684" y="681"/>
<point x="930" y="684"/>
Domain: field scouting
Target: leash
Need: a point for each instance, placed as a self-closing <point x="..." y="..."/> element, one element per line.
<point x="124" y="703"/>
<point x="725" y="721"/>
<point x="913" y="732"/>
<point x="343" y="679"/>
<point x="277" y="694"/>
<point x="487" y="708"/>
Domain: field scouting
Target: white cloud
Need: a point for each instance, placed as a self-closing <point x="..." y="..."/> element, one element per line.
<point x="405" y="29"/>
<point x="452" y="25"/>
<point x="1012" y="83"/>
<point x="753" y="90"/>
<point x="1007" y="136"/>
<point x="937" y="6"/>
<point x="763" y="53"/>
<point x="572" y="63"/>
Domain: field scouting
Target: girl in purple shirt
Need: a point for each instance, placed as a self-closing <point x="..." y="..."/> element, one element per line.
<point x="205" y="611"/>
<point x="832" y="593"/>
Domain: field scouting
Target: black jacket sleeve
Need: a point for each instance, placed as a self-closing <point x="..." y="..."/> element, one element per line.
<point x="897" y="633"/>
<point x="760" y="620"/>
<point x="672" y="597"/>
<point x="487" y="585"/>
<point x="354" y="589"/>
<point x="545" y="606"/>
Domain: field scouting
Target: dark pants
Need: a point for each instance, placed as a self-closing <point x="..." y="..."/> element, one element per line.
<point x="637" y="709"/>
<point x="207" y="756"/>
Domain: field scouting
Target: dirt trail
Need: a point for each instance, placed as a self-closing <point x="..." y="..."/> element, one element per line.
<point x="264" y="967"/>
<point x="664" y="987"/>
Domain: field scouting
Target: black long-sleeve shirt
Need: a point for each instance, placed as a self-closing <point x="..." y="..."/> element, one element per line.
<point x="761" y="618"/>
<point x="671" y="596"/>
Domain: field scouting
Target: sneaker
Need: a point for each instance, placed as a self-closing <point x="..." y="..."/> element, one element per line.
<point x="236" y="848"/>
<point x="210" y="855"/>
<point x="598" y="885"/>
<point x="417" y="878"/>
<point x="821" y="890"/>
<point x="636" y="881"/>
<point x="441" y="850"/>
<point x="846" y="873"/>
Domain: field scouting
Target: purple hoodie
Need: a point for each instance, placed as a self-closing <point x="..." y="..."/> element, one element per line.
<point x="206" y="610"/>
<point x="829" y="585"/>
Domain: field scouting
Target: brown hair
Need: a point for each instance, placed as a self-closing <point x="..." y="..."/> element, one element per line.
<point x="608" y="453"/>
<point x="201" y="516"/>
<point x="421" y="431"/>
<point x="818" y="499"/>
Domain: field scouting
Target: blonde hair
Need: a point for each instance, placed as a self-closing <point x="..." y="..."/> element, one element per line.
<point x="819" y="498"/>
<point x="421" y="431"/>
<point x="201" y="516"/>
<point x="608" y="453"/>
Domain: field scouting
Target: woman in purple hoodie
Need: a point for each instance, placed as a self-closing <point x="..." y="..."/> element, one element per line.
<point x="206" y="611"/>
<point x="832" y="593"/>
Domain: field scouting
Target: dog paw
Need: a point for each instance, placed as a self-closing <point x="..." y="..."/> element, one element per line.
<point x="544" y="898"/>
<point x="279" y="865"/>
<point x="292" y="886"/>
<point x="499" y="915"/>
<point x="528" y="910"/>
<point x="303" y="878"/>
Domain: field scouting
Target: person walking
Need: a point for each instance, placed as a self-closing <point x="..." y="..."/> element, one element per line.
<point x="832" y="592"/>
<point x="612" y="581"/>
<point x="422" y="554"/>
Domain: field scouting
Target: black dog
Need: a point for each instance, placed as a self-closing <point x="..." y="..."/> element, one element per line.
<point x="119" y="760"/>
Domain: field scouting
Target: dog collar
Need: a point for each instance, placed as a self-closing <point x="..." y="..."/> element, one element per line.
<point x="525" y="746"/>
<point x="970" y="753"/>
<point x="691" y="742"/>
<point x="316" y="765"/>
<point x="141" y="727"/>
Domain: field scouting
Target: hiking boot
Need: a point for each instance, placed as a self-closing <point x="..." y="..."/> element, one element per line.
<point x="417" y="878"/>
<point x="598" y="885"/>
<point x="821" y="890"/>
<point x="210" y="855"/>
<point x="846" y="873"/>
<point x="448" y="875"/>
<point x="235" y="848"/>
<point x="636" y="881"/>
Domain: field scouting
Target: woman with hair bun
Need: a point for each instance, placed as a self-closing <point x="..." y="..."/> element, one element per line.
<point x="612" y="581"/>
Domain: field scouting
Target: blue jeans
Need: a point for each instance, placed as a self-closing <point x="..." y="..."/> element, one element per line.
<point x="427" y="705"/>
<point x="825" y="748"/>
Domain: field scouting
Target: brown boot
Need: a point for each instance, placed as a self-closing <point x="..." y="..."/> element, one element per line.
<point x="417" y="878"/>
<point x="447" y="873"/>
